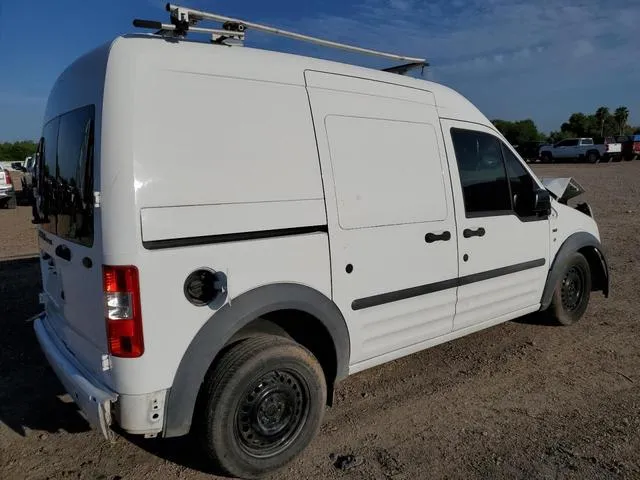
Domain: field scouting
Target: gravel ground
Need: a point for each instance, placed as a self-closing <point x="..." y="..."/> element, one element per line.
<point x="521" y="400"/>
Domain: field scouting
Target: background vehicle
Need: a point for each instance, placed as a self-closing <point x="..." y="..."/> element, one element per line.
<point x="630" y="146"/>
<point x="530" y="151"/>
<point x="580" y="149"/>
<point x="231" y="308"/>
<point x="7" y="192"/>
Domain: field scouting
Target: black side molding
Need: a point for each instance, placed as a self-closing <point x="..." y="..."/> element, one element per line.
<point x="406" y="293"/>
<point x="232" y="237"/>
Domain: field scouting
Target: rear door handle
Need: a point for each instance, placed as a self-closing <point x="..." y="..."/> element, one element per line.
<point x="435" y="237"/>
<point x="478" y="232"/>
<point x="63" y="252"/>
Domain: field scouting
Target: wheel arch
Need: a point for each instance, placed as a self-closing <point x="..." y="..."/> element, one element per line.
<point x="268" y="309"/>
<point x="589" y="246"/>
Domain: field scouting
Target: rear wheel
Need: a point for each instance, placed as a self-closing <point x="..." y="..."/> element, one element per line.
<point x="593" y="157"/>
<point x="546" y="157"/>
<point x="263" y="404"/>
<point x="572" y="293"/>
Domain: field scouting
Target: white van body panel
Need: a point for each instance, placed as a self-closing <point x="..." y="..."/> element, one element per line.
<point x="565" y="221"/>
<point x="508" y="241"/>
<point x="76" y="317"/>
<point x="387" y="186"/>
<point x="198" y="147"/>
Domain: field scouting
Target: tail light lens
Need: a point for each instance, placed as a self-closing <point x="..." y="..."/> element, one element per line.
<point x="7" y="177"/>
<point x="122" y="311"/>
<point x="636" y="147"/>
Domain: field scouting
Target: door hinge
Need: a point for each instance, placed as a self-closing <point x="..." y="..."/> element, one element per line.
<point x="96" y="199"/>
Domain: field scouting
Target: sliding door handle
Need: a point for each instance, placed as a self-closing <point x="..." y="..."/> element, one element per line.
<point x="478" y="232"/>
<point x="437" y="237"/>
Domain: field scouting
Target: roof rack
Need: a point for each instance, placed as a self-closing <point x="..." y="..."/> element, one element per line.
<point x="232" y="33"/>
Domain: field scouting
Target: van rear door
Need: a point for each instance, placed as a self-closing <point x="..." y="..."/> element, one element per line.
<point x="71" y="262"/>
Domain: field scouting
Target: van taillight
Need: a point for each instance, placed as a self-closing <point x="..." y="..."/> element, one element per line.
<point x="122" y="311"/>
<point x="636" y="147"/>
<point x="7" y="177"/>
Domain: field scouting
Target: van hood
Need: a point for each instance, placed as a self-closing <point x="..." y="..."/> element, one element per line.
<point x="563" y="188"/>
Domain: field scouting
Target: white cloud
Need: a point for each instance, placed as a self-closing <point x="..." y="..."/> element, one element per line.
<point x="516" y="51"/>
<point x="582" y="48"/>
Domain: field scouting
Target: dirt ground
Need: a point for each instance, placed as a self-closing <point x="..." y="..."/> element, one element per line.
<point x="521" y="400"/>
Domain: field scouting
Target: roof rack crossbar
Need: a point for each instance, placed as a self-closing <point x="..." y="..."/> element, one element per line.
<point x="184" y="19"/>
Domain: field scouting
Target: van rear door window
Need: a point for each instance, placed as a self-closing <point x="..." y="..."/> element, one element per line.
<point x="75" y="176"/>
<point x="67" y="187"/>
<point x="47" y="175"/>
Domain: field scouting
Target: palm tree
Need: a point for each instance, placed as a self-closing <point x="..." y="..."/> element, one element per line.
<point x="621" y="115"/>
<point x="601" y="116"/>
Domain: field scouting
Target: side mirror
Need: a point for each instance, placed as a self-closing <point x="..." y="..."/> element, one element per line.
<point x="542" y="202"/>
<point x="535" y="203"/>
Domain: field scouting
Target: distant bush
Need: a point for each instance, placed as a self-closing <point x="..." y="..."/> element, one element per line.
<point x="17" y="151"/>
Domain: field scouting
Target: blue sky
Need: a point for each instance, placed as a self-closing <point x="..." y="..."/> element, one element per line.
<point x="514" y="59"/>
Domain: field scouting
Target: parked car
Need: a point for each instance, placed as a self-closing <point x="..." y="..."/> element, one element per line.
<point x="298" y="256"/>
<point x="530" y="151"/>
<point x="581" y="149"/>
<point x="7" y="192"/>
<point x="630" y="146"/>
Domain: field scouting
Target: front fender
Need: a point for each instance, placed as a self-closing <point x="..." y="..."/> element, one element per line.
<point x="591" y="247"/>
<point x="221" y="327"/>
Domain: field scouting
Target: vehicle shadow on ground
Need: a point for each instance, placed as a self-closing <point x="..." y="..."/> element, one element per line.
<point x="29" y="389"/>
<point x="536" y="318"/>
<point x="182" y="451"/>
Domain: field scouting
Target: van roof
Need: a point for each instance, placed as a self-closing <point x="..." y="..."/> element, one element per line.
<point x="267" y="65"/>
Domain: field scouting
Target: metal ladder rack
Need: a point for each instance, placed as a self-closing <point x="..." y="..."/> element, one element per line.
<point x="233" y="32"/>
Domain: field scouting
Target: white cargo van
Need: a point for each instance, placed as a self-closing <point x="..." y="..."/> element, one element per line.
<point x="227" y="232"/>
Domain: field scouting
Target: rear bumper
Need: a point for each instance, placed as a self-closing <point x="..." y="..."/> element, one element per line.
<point x="7" y="192"/>
<point x="93" y="399"/>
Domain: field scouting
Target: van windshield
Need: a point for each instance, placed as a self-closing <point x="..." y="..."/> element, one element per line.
<point x="65" y="186"/>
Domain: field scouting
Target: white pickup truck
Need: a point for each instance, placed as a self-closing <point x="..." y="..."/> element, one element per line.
<point x="581" y="149"/>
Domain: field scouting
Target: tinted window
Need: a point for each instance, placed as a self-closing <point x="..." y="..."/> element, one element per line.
<point x="587" y="141"/>
<point x="75" y="176"/>
<point x="47" y="176"/>
<point x="482" y="173"/>
<point x="572" y="143"/>
<point x="522" y="184"/>
<point x="563" y="143"/>
<point x="67" y="186"/>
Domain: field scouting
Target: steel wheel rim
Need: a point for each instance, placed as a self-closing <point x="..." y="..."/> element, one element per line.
<point x="271" y="413"/>
<point x="572" y="289"/>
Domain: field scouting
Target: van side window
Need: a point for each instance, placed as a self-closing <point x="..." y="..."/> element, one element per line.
<point x="65" y="185"/>
<point x="75" y="176"/>
<point x="47" y="174"/>
<point x="484" y="180"/>
<point x="522" y="185"/>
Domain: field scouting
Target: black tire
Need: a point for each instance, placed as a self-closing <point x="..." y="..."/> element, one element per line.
<point x="263" y="404"/>
<point x="546" y="157"/>
<point x="573" y="290"/>
<point x="592" y="157"/>
<point x="12" y="203"/>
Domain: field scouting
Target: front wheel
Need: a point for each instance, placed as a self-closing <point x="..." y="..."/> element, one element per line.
<point x="572" y="293"/>
<point x="263" y="404"/>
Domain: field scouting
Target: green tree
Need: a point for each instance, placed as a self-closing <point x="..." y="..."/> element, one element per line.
<point x="621" y="116"/>
<point x="519" y="132"/>
<point x="17" y="151"/>
<point x="602" y="116"/>
<point x="579" y="125"/>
